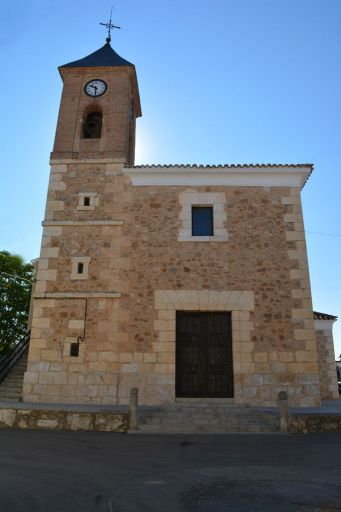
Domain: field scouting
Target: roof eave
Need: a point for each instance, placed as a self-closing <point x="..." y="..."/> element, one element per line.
<point x="292" y="176"/>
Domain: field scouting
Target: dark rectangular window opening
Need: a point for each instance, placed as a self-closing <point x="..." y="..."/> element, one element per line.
<point x="86" y="201"/>
<point x="74" y="349"/>
<point x="202" y="220"/>
<point x="80" y="268"/>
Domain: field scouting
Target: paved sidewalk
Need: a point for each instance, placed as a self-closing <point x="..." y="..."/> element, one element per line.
<point x="327" y="407"/>
<point x="47" y="471"/>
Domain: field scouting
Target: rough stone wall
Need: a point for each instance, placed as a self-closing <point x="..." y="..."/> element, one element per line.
<point x="131" y="237"/>
<point x="327" y="367"/>
<point x="265" y="253"/>
<point x="33" y="418"/>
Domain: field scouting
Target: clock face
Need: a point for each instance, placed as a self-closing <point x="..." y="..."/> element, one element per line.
<point x="95" y="88"/>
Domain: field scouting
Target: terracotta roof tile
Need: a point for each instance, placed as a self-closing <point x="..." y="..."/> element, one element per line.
<point x="222" y="166"/>
<point x="323" y="316"/>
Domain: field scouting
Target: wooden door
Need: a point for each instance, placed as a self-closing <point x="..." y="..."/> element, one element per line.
<point x="204" y="355"/>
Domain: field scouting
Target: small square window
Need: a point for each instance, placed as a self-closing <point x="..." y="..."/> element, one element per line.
<point x="74" y="349"/>
<point x="202" y="220"/>
<point x="86" y="201"/>
<point x="80" y="268"/>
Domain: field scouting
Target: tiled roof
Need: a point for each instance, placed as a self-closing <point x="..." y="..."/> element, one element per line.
<point x="223" y="166"/>
<point x="323" y="316"/>
<point x="104" y="57"/>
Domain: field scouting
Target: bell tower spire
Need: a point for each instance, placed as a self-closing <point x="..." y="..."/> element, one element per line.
<point x="99" y="107"/>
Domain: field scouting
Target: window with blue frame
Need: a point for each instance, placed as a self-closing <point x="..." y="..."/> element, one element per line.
<point x="202" y="220"/>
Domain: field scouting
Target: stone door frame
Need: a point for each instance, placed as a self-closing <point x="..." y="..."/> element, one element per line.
<point x="239" y="303"/>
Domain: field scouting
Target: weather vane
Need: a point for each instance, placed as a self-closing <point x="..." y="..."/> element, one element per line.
<point x="109" y="26"/>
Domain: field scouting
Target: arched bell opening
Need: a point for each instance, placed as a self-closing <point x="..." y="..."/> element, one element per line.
<point x="92" y="125"/>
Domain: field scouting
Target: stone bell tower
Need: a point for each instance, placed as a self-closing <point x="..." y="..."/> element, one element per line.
<point x="81" y="276"/>
<point x="98" y="110"/>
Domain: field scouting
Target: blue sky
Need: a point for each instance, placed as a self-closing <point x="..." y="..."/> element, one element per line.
<point x="221" y="81"/>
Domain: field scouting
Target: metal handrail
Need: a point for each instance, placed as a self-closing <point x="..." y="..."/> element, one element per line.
<point x="10" y="359"/>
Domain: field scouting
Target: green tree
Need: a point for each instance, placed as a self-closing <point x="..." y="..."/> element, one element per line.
<point x="16" y="279"/>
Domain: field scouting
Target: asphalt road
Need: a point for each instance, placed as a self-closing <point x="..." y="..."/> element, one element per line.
<point x="46" y="471"/>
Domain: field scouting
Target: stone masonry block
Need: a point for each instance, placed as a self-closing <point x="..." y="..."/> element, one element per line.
<point x="261" y="357"/>
<point x="49" y="252"/>
<point x="163" y="346"/>
<point x="150" y="358"/>
<point x="301" y="313"/>
<point x="305" y="355"/>
<point x="52" y="231"/>
<point x="166" y="357"/>
<point x="291" y="200"/>
<point x="164" y="325"/>
<point x="47" y="275"/>
<point x="31" y="378"/>
<point x="40" y="322"/>
<point x="304" y="334"/>
<point x="76" y="324"/>
<point x="125" y="357"/>
<point x="166" y="336"/>
<point x="54" y="206"/>
<point x="294" y="235"/>
<point x="167" y="314"/>
<point x="43" y="264"/>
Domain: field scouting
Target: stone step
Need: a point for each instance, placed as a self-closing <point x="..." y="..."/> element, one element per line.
<point x="11" y="391"/>
<point x="209" y="419"/>
<point x="206" y="418"/>
<point x="5" y="398"/>
<point x="210" y="425"/>
<point x="197" y="412"/>
<point x="15" y="375"/>
<point x="211" y="429"/>
<point x="14" y="381"/>
<point x="11" y="386"/>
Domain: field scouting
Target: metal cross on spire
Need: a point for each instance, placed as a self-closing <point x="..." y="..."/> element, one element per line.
<point x="109" y="26"/>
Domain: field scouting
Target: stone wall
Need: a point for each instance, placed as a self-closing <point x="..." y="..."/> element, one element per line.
<point x="312" y="423"/>
<point x="43" y="419"/>
<point x="326" y="359"/>
<point x="141" y="272"/>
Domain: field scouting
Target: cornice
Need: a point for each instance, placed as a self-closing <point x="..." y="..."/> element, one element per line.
<point x="255" y="175"/>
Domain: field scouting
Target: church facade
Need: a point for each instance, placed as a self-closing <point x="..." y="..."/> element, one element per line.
<point x="187" y="282"/>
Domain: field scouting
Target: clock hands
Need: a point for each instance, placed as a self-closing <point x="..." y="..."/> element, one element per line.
<point x="94" y="87"/>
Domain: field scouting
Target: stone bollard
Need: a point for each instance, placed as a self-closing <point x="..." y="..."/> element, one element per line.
<point x="283" y="406"/>
<point x="133" y="403"/>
